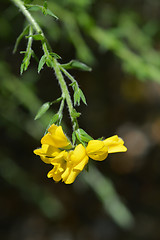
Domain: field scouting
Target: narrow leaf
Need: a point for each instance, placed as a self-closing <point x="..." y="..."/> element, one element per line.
<point x="72" y="84"/>
<point x="76" y="96"/>
<point x="44" y="10"/>
<point x="41" y="63"/>
<point x="21" y="68"/>
<point x="75" y="114"/>
<point x="73" y="138"/>
<point x="82" y="96"/>
<point x="55" y="118"/>
<point x="38" y="37"/>
<point x="76" y="65"/>
<point x="25" y="32"/>
<point x="42" y="110"/>
<point x="49" y="12"/>
<point x="57" y="100"/>
<point x="49" y="61"/>
<point x="33" y="8"/>
<point x="55" y="55"/>
<point x="83" y="136"/>
<point x="45" y="5"/>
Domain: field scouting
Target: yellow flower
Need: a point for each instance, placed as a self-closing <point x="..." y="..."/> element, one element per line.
<point x="67" y="164"/>
<point x="77" y="159"/>
<point x="98" y="150"/>
<point x="115" y="144"/>
<point x="55" y="137"/>
<point x="46" y="152"/>
<point x="59" y="163"/>
<point x="51" y="142"/>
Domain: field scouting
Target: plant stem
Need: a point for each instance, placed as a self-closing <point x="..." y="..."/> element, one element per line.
<point x="27" y="14"/>
<point x="64" y="89"/>
<point x="56" y="65"/>
<point x="68" y="75"/>
<point x="30" y="39"/>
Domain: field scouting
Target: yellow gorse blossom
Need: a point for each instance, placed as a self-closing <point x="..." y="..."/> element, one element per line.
<point x="67" y="164"/>
<point x="55" y="137"/>
<point x="98" y="150"/>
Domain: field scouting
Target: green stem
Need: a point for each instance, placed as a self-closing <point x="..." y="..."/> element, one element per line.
<point x="27" y="14"/>
<point x="56" y="65"/>
<point x="61" y="106"/>
<point x="30" y="40"/>
<point x="60" y="112"/>
<point x="64" y="89"/>
<point x="68" y="75"/>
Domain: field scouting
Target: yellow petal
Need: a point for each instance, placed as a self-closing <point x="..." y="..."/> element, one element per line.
<point x="46" y="159"/>
<point x="47" y="150"/>
<point x="76" y="161"/>
<point x="115" y="144"/>
<point x="82" y="164"/>
<point x="50" y="173"/>
<point x="69" y="177"/>
<point x="47" y="139"/>
<point x="65" y="174"/>
<point x="56" y="137"/>
<point x="78" y="154"/>
<point x="94" y="145"/>
<point x="97" y="150"/>
<point x="52" y="128"/>
<point x="60" y="158"/>
<point x="56" y="177"/>
<point x="57" y="171"/>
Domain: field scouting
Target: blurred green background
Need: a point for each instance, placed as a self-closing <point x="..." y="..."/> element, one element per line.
<point x="120" y="197"/>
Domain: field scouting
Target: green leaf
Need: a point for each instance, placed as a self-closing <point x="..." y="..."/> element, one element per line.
<point x="25" y="32"/>
<point x="26" y="61"/>
<point x="82" y="97"/>
<point x="49" y="61"/>
<point x="21" y="68"/>
<point x="74" y="64"/>
<point x="55" y="118"/>
<point x="22" y="52"/>
<point x="34" y="7"/>
<point x="55" y="55"/>
<point x="38" y="37"/>
<point x="75" y="114"/>
<point x="34" y="56"/>
<point x="73" y="84"/>
<point x="83" y="136"/>
<point x="76" y="95"/>
<point x="73" y="138"/>
<point x="45" y="4"/>
<point x="42" y="110"/>
<point x="57" y="100"/>
<point x="41" y="63"/>
<point x="49" y="12"/>
<point x="43" y="9"/>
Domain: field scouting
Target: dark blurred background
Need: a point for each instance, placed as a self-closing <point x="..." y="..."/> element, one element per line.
<point x="118" y="198"/>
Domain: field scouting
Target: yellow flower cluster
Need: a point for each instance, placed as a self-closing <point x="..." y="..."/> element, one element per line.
<point x="57" y="150"/>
